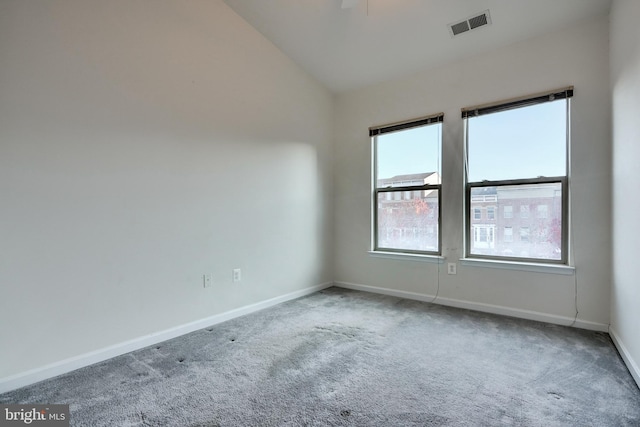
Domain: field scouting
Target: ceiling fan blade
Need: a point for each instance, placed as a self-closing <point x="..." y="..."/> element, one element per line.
<point x="348" y="4"/>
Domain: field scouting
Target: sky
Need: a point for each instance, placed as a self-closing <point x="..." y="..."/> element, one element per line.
<point x="521" y="143"/>
<point x="415" y="150"/>
<point x="514" y="144"/>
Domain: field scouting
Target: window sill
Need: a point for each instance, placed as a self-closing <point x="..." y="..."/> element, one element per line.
<point x="520" y="266"/>
<point x="408" y="256"/>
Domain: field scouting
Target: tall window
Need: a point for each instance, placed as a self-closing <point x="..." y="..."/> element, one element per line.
<point x="406" y="161"/>
<point x="508" y="235"/>
<point x="508" y="211"/>
<point x="491" y="213"/>
<point x="517" y="150"/>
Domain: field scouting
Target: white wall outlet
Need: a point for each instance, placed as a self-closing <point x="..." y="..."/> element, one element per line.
<point x="207" y="280"/>
<point x="237" y="275"/>
<point x="451" y="268"/>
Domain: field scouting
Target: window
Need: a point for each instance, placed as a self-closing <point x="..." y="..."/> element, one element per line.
<point x="477" y="213"/>
<point x="508" y="235"/>
<point x="543" y="211"/>
<point x="406" y="161"/>
<point x="491" y="213"/>
<point x="517" y="151"/>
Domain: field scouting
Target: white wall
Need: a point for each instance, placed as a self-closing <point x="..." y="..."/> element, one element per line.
<point x="143" y="144"/>
<point x="625" y="86"/>
<point x="576" y="56"/>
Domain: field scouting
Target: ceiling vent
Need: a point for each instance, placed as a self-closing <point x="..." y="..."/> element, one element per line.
<point x="478" y="20"/>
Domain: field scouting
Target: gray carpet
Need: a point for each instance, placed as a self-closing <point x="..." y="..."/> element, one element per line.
<point x="346" y="358"/>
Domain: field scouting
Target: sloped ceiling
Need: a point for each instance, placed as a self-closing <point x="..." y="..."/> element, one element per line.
<point x="378" y="40"/>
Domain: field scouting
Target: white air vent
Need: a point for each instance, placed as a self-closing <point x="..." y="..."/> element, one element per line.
<point x="471" y="23"/>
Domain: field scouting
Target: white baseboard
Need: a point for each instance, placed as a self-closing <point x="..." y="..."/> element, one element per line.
<point x="626" y="356"/>
<point x="477" y="306"/>
<point x="58" y="368"/>
<point x="385" y="291"/>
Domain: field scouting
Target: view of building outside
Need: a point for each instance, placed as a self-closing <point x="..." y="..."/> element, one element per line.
<point x="516" y="221"/>
<point x="516" y="164"/>
<point x="408" y="219"/>
<point x="519" y="221"/>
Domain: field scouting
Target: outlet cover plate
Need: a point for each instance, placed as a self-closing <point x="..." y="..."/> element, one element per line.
<point x="452" y="268"/>
<point x="207" y="280"/>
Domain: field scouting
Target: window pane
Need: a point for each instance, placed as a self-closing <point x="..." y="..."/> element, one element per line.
<point x="508" y="234"/>
<point x="517" y="144"/>
<point x="409" y="157"/>
<point x="508" y="211"/>
<point x="491" y="214"/>
<point x="409" y="224"/>
<point x="536" y="236"/>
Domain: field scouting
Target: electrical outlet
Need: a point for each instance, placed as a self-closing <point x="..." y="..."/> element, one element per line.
<point x="237" y="275"/>
<point x="207" y="280"/>
<point x="451" y="268"/>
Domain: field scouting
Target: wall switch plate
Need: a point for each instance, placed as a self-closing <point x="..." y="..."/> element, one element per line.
<point x="207" y="280"/>
<point x="237" y="275"/>
<point x="451" y="268"/>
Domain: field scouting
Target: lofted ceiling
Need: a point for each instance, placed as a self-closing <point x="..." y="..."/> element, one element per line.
<point x="370" y="41"/>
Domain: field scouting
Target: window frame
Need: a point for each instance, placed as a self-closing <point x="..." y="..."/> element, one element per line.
<point x="467" y="113"/>
<point x="376" y="131"/>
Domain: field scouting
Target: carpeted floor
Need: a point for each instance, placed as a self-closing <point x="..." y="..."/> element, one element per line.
<point x="347" y="358"/>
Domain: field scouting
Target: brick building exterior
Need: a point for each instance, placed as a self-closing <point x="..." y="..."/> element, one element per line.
<point x="520" y="221"/>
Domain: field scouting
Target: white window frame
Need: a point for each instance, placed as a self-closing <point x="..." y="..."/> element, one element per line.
<point x="489" y="234"/>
